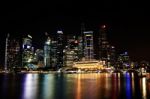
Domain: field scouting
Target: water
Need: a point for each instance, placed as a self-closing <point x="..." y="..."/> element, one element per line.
<point x="74" y="86"/>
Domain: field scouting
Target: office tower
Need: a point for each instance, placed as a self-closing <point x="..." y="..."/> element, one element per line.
<point x="39" y="57"/>
<point x="81" y="41"/>
<point x="27" y="51"/>
<point x="53" y="54"/>
<point x="111" y="58"/>
<point x="123" y="60"/>
<point x="47" y="48"/>
<point x="80" y="48"/>
<point x="88" y="45"/>
<point x="71" y="51"/>
<point x="59" y="49"/>
<point x="103" y="44"/>
<point x="12" y="53"/>
<point x="6" y="52"/>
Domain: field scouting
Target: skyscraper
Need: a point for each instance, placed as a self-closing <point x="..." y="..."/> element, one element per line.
<point x="88" y="45"/>
<point x="103" y="44"/>
<point x="59" y="49"/>
<point x="12" y="53"/>
<point x="71" y="51"/>
<point x="47" y="48"/>
<point x="27" y="51"/>
<point x="53" y="54"/>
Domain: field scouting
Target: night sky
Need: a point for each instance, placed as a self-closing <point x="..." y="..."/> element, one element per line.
<point x="128" y="22"/>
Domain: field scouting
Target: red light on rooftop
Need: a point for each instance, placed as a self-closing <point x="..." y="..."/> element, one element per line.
<point x="103" y="26"/>
<point x="76" y="41"/>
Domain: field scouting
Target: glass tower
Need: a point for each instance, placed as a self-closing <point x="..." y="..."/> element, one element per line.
<point x="88" y="45"/>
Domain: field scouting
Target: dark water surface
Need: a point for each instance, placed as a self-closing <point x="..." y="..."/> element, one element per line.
<point x="74" y="86"/>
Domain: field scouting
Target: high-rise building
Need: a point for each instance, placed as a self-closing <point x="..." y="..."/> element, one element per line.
<point x="88" y="45"/>
<point x="81" y="41"/>
<point x="71" y="51"/>
<point x="123" y="60"/>
<point x="103" y="44"/>
<point x="60" y="47"/>
<point x="111" y="56"/>
<point x="39" y="57"/>
<point x="27" y="51"/>
<point x="80" y="48"/>
<point x="13" y="53"/>
<point x="47" y="48"/>
<point x="53" y="54"/>
<point x="53" y="51"/>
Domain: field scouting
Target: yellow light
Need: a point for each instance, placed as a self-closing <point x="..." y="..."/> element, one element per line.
<point x="29" y="60"/>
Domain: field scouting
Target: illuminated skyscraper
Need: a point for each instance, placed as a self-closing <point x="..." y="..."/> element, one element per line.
<point x="103" y="44"/>
<point x="47" y="48"/>
<point x="111" y="57"/>
<point x="59" y="49"/>
<point x="123" y="60"/>
<point x="12" y="53"/>
<point x="81" y="41"/>
<point x="39" y="57"/>
<point x="80" y="47"/>
<point x="27" y="51"/>
<point x="71" y="51"/>
<point x="88" y="45"/>
<point x="53" y="54"/>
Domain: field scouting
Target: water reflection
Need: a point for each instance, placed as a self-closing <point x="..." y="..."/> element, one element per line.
<point x="78" y="96"/>
<point x="128" y="85"/>
<point x="48" y="87"/>
<point x="143" y="87"/>
<point x="74" y="86"/>
<point x="30" y="86"/>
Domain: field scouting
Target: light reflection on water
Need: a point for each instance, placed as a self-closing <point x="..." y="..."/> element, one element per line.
<point x="30" y="86"/>
<point x="74" y="86"/>
<point x="143" y="88"/>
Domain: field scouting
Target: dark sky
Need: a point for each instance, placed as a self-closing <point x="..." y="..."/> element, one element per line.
<point x="128" y="22"/>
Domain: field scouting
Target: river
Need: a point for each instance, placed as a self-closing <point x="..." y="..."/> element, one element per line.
<point x="74" y="86"/>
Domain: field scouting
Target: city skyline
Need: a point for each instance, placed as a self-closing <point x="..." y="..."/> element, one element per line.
<point x="127" y="22"/>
